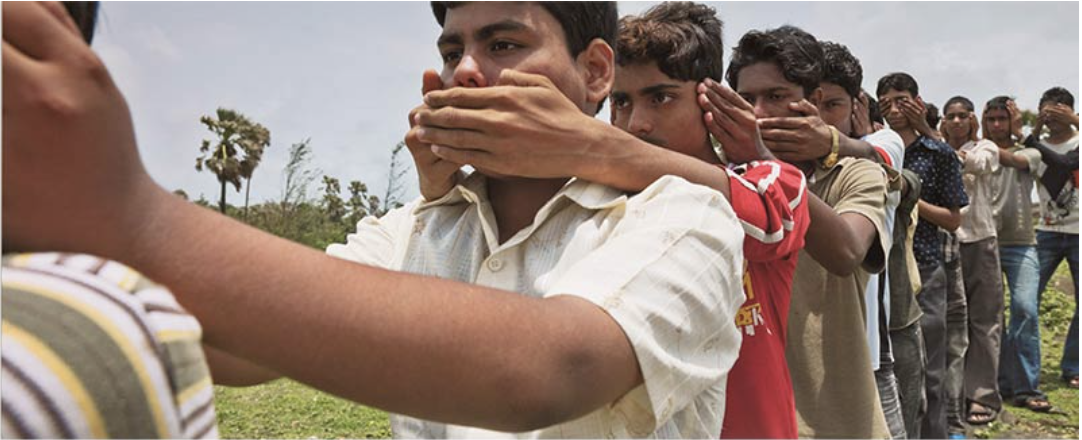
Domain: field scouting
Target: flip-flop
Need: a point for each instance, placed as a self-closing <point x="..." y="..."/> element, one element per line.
<point x="1034" y="403"/>
<point x="980" y="414"/>
<point x="1072" y="381"/>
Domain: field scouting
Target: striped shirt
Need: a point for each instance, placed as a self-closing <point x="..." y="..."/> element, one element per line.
<point x="91" y="349"/>
<point x="665" y="264"/>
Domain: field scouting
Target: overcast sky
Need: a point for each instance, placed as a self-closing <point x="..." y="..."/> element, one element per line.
<point x="347" y="74"/>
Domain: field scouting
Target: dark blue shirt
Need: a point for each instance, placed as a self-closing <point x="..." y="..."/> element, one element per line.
<point x="941" y="184"/>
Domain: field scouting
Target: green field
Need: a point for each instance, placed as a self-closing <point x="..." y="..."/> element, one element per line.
<point x="286" y="409"/>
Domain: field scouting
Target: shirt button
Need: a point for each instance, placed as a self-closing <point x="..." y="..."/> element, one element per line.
<point x="495" y="264"/>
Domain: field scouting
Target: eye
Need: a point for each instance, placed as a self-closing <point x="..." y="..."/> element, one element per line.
<point x="451" y="56"/>
<point x="619" y="102"/>
<point x="662" y="98"/>
<point x="503" y="46"/>
<point x="776" y="97"/>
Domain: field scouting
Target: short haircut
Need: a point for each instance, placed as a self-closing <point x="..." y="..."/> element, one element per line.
<point x="874" y="114"/>
<point x="582" y="22"/>
<point x="840" y="67"/>
<point x="683" y="38"/>
<point x="997" y="103"/>
<point x="85" y="15"/>
<point x="1057" y="94"/>
<point x="797" y="54"/>
<point x="966" y="103"/>
<point x="932" y="115"/>
<point x="899" y="81"/>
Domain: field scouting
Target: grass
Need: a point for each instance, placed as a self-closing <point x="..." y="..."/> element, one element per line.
<point x="286" y="409"/>
<point x="1057" y="308"/>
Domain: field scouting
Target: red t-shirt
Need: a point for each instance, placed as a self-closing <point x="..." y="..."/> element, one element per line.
<point x="770" y="198"/>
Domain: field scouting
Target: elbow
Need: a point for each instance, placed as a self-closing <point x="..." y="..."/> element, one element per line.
<point x="847" y="260"/>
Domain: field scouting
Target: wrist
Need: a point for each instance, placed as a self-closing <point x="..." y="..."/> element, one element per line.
<point x="831" y="158"/>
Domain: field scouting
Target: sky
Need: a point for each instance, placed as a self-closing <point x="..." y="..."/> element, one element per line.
<point x="346" y="75"/>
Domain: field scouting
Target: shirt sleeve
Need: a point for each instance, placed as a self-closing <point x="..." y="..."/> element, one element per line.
<point x="378" y="240"/>
<point x="952" y="193"/>
<point x="770" y="199"/>
<point x="862" y="186"/>
<point x="889" y="146"/>
<point x="982" y="159"/>
<point x="670" y="276"/>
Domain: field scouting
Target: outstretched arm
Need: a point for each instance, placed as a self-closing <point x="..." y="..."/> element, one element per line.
<point x="342" y="327"/>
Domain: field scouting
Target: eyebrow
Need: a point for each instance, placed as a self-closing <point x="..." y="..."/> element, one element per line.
<point x="649" y="90"/>
<point x="482" y="34"/>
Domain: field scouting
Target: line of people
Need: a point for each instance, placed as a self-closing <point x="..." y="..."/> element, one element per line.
<point x="783" y="266"/>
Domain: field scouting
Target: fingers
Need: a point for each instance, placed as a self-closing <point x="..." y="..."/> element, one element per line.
<point x="470" y="98"/>
<point x="430" y="82"/>
<point x="460" y="156"/>
<point x="455" y="118"/>
<point x="784" y="123"/>
<point x="509" y="77"/>
<point x="38" y="33"/>
<point x="717" y="93"/>
<point x="444" y="137"/>
<point x="58" y="11"/>
<point x="781" y="135"/>
<point x="18" y="71"/>
<point x="804" y="107"/>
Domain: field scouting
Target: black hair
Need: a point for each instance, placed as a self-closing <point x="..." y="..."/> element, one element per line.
<point x="1057" y="94"/>
<point x="966" y="103"/>
<point x="797" y="54"/>
<point x="997" y="103"/>
<point x="899" y="81"/>
<point x="683" y="38"/>
<point x="85" y="15"/>
<point x="932" y="115"/>
<point x="840" y="67"/>
<point x="874" y="114"/>
<point x="582" y="22"/>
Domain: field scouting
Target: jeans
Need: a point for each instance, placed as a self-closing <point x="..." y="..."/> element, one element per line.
<point x="888" y="395"/>
<point x="1020" y="355"/>
<point x="933" y="302"/>
<point x="909" y="362"/>
<point x="1053" y="248"/>
<point x="957" y="345"/>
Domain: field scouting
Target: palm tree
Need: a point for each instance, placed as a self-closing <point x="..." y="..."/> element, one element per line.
<point x="236" y="134"/>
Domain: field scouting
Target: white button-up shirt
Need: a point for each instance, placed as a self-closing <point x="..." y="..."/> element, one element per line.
<point x="665" y="264"/>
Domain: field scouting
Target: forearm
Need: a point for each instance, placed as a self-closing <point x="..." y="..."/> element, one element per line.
<point x="400" y="342"/>
<point x="631" y="164"/>
<point x="1009" y="159"/>
<point x="833" y="241"/>
<point x="945" y="218"/>
<point x="849" y="147"/>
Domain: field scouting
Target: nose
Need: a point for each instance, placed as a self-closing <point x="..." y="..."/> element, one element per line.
<point x="640" y="124"/>
<point x="468" y="73"/>
<point x="759" y="109"/>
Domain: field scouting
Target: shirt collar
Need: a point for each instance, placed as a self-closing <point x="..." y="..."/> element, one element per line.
<point x="588" y="195"/>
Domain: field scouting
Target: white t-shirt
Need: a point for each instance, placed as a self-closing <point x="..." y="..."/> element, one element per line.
<point x="1059" y="212"/>
<point x="891" y="143"/>
<point x="665" y="264"/>
<point x="978" y="168"/>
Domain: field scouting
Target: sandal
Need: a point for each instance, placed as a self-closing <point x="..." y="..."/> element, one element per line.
<point x="1034" y="403"/>
<point x="1072" y="381"/>
<point x="980" y="414"/>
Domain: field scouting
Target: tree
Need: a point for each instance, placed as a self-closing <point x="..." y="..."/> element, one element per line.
<point x="332" y="203"/>
<point x="236" y="134"/>
<point x="395" y="181"/>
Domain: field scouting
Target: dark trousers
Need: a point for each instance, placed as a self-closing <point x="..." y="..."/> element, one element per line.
<point x="984" y="297"/>
<point x="933" y="302"/>
<point x="907" y="344"/>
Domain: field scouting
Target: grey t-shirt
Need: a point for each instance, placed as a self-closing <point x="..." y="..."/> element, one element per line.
<point x="1011" y="203"/>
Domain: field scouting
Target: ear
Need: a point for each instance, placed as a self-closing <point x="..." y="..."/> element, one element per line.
<point x="816" y="96"/>
<point x="598" y="66"/>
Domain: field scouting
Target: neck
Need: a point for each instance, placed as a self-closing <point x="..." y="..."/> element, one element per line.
<point x="956" y="142"/>
<point x="908" y="135"/>
<point x="707" y="154"/>
<point x="1003" y="142"/>
<point x="515" y="201"/>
